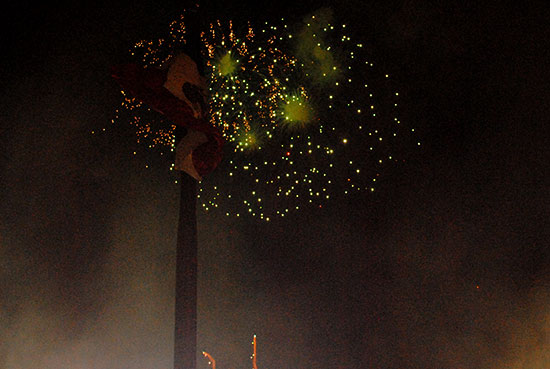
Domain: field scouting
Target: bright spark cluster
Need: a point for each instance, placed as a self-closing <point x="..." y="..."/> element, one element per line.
<point x="327" y="126"/>
<point x="151" y="129"/>
<point x="246" y="82"/>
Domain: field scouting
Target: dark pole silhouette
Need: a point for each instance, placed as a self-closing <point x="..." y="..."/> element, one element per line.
<point x="185" y="323"/>
<point x="148" y="85"/>
<point x="185" y="332"/>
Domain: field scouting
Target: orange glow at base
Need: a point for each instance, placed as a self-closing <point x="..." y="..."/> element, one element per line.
<point x="212" y="362"/>
<point x="254" y="365"/>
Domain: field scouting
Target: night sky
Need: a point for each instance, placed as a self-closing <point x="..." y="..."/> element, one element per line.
<point x="446" y="265"/>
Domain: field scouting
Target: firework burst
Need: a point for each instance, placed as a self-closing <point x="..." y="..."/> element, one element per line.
<point x="305" y="114"/>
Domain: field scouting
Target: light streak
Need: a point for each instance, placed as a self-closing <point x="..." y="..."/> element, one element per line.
<point x="254" y="356"/>
<point x="211" y="360"/>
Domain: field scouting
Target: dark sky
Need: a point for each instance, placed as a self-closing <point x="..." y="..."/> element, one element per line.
<point x="447" y="265"/>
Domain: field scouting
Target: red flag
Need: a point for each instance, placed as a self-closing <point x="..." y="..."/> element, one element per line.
<point x="179" y="94"/>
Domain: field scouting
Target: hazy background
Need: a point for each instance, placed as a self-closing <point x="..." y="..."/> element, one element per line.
<point x="445" y="266"/>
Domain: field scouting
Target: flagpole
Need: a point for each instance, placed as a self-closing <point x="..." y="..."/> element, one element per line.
<point x="185" y="332"/>
<point x="149" y="86"/>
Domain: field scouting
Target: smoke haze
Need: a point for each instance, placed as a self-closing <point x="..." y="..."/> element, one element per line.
<point x="446" y="266"/>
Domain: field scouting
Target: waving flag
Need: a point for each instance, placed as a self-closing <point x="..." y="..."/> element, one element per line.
<point x="179" y="93"/>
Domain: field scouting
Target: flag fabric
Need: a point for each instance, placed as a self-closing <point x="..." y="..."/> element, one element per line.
<point x="179" y="93"/>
